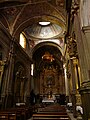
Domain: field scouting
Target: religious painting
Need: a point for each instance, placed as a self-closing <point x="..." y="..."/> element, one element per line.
<point x="50" y="80"/>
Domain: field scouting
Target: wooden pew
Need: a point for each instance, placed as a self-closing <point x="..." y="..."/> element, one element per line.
<point x="4" y="116"/>
<point x="51" y="112"/>
<point x="51" y="119"/>
<point x="12" y="114"/>
<point x="26" y="112"/>
<point x="49" y="116"/>
<point x="16" y="114"/>
<point x="9" y="115"/>
<point x="52" y="108"/>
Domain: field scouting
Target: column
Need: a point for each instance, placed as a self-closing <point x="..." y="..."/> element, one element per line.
<point x="22" y="89"/>
<point x="2" y="73"/>
<point x="84" y="58"/>
<point x="9" y="79"/>
<point x="73" y="94"/>
<point x="66" y="84"/>
<point x="2" y="66"/>
<point x="32" y="80"/>
<point x="29" y="79"/>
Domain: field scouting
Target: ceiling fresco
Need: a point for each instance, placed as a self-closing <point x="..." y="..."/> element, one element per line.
<point x="43" y="32"/>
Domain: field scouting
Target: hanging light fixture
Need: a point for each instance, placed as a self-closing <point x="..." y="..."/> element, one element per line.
<point x="48" y="56"/>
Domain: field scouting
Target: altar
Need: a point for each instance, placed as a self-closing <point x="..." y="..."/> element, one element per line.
<point x="47" y="101"/>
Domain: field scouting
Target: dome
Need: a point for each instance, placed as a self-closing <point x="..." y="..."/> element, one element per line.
<point x="44" y="31"/>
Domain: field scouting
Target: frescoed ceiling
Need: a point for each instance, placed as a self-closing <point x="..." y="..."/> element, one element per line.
<point x="23" y="16"/>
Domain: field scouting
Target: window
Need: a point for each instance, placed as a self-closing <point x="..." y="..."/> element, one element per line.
<point x="22" y="40"/>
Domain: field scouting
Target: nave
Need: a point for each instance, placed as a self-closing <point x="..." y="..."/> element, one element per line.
<point x="45" y="47"/>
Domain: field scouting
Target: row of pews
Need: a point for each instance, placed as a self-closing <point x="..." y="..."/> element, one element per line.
<point x="19" y="113"/>
<point x="51" y="112"/>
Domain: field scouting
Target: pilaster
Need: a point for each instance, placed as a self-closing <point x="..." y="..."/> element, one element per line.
<point x="82" y="47"/>
<point x="9" y="78"/>
<point x="66" y="84"/>
<point x="82" y="37"/>
<point x="73" y="93"/>
<point x="85" y="97"/>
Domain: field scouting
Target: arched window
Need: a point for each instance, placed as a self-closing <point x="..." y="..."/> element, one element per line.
<point x="22" y="40"/>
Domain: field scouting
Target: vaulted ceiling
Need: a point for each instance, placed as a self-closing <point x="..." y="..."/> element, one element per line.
<point x="19" y="16"/>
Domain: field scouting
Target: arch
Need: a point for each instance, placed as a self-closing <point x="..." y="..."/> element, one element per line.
<point x="5" y="31"/>
<point x="4" y="21"/>
<point x="40" y="49"/>
<point x="49" y="44"/>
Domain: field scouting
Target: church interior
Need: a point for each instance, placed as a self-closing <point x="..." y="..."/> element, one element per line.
<point x="44" y="59"/>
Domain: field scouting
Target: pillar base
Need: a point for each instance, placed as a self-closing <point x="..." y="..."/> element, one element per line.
<point x="3" y="102"/>
<point x="73" y="97"/>
<point x="8" y="101"/>
<point x="67" y="99"/>
<point x="28" y="101"/>
<point x="85" y="97"/>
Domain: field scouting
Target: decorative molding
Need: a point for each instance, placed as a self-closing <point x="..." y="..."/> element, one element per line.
<point x="72" y="47"/>
<point x="74" y="8"/>
<point x="85" y="87"/>
<point x="86" y="29"/>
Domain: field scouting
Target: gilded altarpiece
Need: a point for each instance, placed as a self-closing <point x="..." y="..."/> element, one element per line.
<point x="51" y="82"/>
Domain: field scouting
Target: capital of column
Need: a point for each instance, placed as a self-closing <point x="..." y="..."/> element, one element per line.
<point x="12" y="52"/>
<point x="72" y="47"/>
<point x="75" y="61"/>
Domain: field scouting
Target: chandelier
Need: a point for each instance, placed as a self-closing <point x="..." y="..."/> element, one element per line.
<point x="48" y="56"/>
